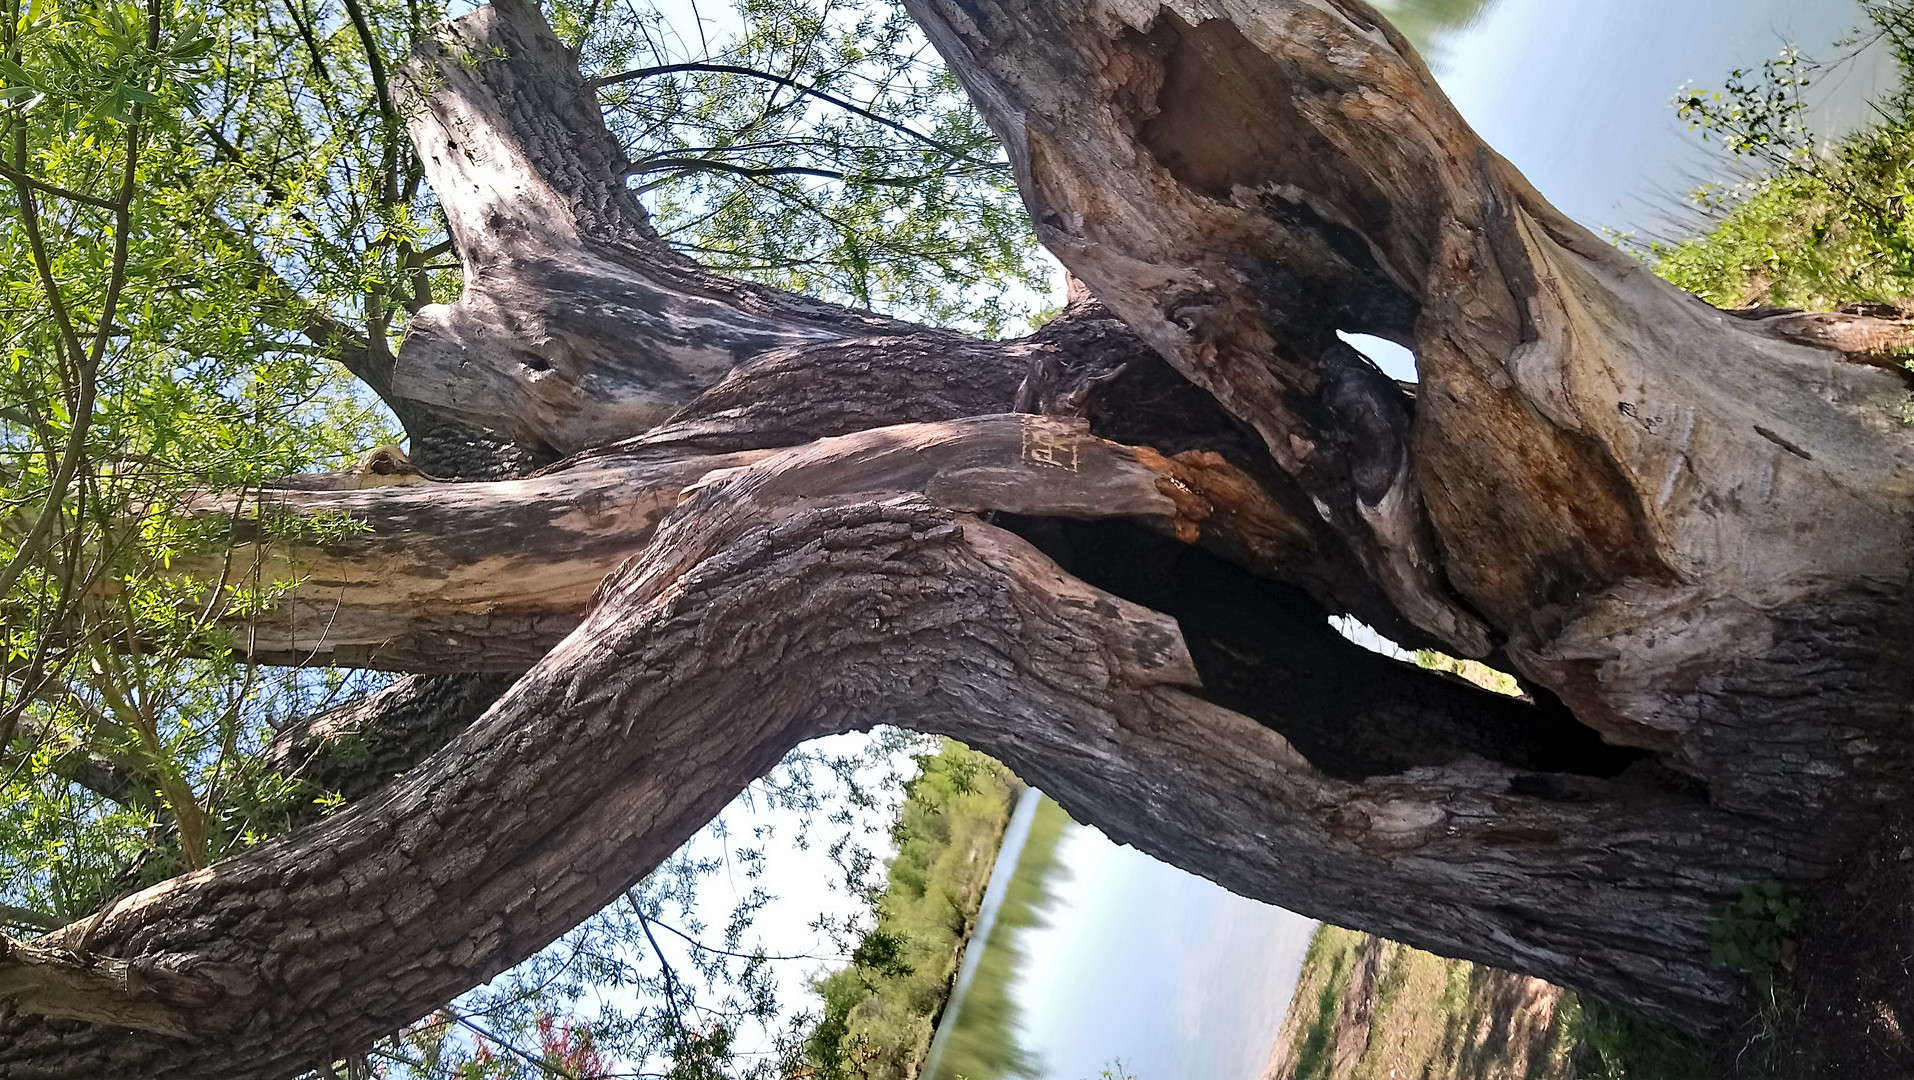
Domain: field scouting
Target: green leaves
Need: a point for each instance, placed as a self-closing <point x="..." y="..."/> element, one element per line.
<point x="1761" y="115"/>
<point x="821" y="148"/>
<point x="91" y="63"/>
<point x="279" y="226"/>
<point x="185" y="376"/>
<point x="1755" y="934"/>
<point x="1818" y="227"/>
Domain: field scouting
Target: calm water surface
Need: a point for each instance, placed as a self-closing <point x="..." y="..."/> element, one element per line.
<point x="1098" y="952"/>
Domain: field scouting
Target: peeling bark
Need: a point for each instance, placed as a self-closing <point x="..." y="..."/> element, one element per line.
<point x="443" y="577"/>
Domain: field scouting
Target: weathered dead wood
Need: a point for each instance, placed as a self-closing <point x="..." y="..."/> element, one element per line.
<point x="1639" y="500"/>
<point x="1877" y="334"/>
<point x="441" y="577"/>
<point x="490" y="576"/>
<point x="579" y="329"/>
<point x="602" y="760"/>
<point x="177" y="996"/>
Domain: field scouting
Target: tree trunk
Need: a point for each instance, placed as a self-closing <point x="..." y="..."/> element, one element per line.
<point x="1687" y="533"/>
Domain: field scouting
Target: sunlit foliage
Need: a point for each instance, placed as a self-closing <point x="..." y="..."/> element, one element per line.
<point x="822" y="146"/>
<point x="879" y="1011"/>
<point x="213" y="232"/>
<point x="1820" y="223"/>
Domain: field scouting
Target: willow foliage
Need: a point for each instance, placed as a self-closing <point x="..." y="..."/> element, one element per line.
<point x="213" y="231"/>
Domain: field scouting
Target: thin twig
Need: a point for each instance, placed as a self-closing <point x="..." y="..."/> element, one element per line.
<point x="19" y="177"/>
<point x="802" y="88"/>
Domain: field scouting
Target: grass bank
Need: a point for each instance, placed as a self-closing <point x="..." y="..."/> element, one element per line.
<point x="879" y="1012"/>
<point x="1371" y="1009"/>
<point x="984" y="1043"/>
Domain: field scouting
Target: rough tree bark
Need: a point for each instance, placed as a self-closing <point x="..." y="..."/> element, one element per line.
<point x="1686" y="532"/>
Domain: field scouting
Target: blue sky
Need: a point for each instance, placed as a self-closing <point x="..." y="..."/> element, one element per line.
<point x="1156" y="967"/>
<point x="1576" y="94"/>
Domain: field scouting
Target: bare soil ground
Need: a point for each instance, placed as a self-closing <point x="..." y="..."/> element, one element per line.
<point x="1847" y="1013"/>
<point x="1370" y="1009"/>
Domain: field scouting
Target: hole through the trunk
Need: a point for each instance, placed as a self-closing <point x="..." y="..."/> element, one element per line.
<point x="1268" y="651"/>
<point x="1395" y="361"/>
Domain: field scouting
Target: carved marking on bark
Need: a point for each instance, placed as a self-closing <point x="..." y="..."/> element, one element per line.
<point x="1045" y="446"/>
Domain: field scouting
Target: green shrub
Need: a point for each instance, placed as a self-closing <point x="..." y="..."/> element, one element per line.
<point x="879" y="1012"/>
<point x="1614" y="1045"/>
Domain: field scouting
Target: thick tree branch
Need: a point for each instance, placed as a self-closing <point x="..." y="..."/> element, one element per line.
<point x="677" y="690"/>
<point x="358" y="748"/>
<point x="444" y="577"/>
<point x="577" y="326"/>
<point x="488" y="577"/>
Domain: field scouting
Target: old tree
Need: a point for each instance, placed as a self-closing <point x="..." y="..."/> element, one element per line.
<point x="1105" y="553"/>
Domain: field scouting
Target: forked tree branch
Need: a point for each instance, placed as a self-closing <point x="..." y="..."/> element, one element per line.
<point x="1686" y="530"/>
<point x="682" y="685"/>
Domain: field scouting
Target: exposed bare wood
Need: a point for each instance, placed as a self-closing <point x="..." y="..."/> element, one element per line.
<point x="443" y="577"/>
<point x="156" y="994"/>
<point x="490" y="576"/>
<point x="1631" y="495"/>
<point x="1867" y="333"/>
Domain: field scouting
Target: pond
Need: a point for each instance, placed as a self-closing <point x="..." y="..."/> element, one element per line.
<point x="1098" y="954"/>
